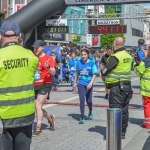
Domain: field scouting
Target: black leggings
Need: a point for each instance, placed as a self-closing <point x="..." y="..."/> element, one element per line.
<point x="85" y="94"/>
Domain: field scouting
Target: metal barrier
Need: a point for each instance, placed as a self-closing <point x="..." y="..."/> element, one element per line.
<point x="114" y="128"/>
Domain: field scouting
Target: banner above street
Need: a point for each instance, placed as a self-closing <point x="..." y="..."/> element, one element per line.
<point x="103" y="2"/>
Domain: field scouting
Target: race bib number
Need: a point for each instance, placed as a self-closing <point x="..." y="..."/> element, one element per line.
<point x="37" y="75"/>
<point x="72" y="69"/>
<point x="84" y="72"/>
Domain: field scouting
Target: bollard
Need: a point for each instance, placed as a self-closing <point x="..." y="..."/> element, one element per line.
<point x="114" y="128"/>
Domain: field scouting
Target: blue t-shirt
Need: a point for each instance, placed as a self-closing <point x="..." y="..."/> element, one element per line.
<point x="72" y="65"/>
<point x="140" y="53"/>
<point x="91" y="57"/>
<point x="85" y="71"/>
<point x="47" y="50"/>
<point x="79" y="58"/>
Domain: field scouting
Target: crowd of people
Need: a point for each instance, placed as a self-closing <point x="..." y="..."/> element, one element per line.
<point x="27" y="79"/>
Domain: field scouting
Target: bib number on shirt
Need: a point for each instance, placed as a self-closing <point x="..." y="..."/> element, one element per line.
<point x="72" y="69"/>
<point x="37" y="75"/>
<point x="84" y="72"/>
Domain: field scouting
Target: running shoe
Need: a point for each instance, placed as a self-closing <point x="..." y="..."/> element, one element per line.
<point x="90" y="116"/>
<point x="51" y="121"/>
<point x="73" y="91"/>
<point x="54" y="88"/>
<point x="106" y="96"/>
<point x="36" y="132"/>
<point x="81" y="121"/>
<point x="145" y="126"/>
<point x="123" y="135"/>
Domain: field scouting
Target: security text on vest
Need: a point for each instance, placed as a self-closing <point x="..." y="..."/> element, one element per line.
<point x="15" y="63"/>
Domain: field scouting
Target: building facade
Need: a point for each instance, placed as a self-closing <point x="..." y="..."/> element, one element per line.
<point x="147" y="28"/>
<point x="135" y="27"/>
<point x="8" y="7"/>
<point x="75" y="26"/>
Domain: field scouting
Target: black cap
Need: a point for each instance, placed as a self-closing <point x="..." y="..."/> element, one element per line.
<point x="38" y="43"/>
<point x="10" y="26"/>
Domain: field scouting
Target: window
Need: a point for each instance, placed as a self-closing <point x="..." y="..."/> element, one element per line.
<point x="0" y="5"/>
<point x="117" y="8"/>
<point x="136" y="32"/>
<point x="23" y="1"/>
<point x="71" y="26"/>
<point x="10" y="7"/>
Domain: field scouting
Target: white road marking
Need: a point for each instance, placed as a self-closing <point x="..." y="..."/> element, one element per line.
<point x="65" y="100"/>
<point x="73" y="98"/>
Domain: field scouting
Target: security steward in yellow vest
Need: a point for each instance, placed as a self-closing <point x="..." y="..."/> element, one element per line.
<point x="117" y="75"/>
<point x="17" y="69"/>
<point x="142" y="70"/>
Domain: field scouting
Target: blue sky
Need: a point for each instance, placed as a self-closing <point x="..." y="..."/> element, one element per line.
<point x="147" y="5"/>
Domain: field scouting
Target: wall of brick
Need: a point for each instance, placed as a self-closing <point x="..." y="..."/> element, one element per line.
<point x="4" y="5"/>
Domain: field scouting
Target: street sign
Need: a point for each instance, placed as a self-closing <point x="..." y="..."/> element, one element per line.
<point x="57" y="29"/>
<point x="108" y="22"/>
<point x="89" y="39"/>
<point x="103" y="2"/>
<point x="19" y="6"/>
<point x="56" y="22"/>
<point x="54" y="36"/>
<point x="107" y="29"/>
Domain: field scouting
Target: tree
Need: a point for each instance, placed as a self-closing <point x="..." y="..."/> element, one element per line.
<point x="107" y="39"/>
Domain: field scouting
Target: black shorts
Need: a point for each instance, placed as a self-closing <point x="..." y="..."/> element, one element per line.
<point x="42" y="89"/>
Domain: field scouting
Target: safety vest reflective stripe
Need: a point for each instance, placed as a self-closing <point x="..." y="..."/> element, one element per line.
<point x="145" y="90"/>
<point x="147" y="118"/>
<point x="17" y="101"/>
<point x="136" y="70"/>
<point x="17" y="89"/>
<point x="145" y="78"/>
<point x="121" y="73"/>
<point x="114" y="77"/>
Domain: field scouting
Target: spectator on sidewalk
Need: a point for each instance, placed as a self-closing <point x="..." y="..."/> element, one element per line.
<point x="72" y="62"/>
<point x="140" y="53"/>
<point x="103" y="65"/>
<point x="143" y="71"/>
<point x="57" y="68"/>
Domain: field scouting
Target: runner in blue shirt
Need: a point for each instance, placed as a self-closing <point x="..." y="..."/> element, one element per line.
<point x="84" y="78"/>
<point x="72" y="68"/>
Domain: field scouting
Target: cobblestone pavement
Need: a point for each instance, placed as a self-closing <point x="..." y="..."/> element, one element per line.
<point x="69" y="135"/>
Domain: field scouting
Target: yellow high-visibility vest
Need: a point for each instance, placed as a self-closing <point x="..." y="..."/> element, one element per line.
<point x="17" y="69"/>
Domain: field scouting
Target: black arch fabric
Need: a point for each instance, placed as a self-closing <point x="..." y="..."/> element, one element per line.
<point x="35" y="12"/>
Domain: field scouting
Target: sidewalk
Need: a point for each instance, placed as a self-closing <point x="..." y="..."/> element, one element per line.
<point x="69" y="135"/>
